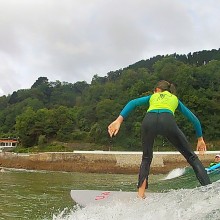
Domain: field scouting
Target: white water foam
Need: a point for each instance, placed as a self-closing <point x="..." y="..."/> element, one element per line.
<point x="201" y="203"/>
<point x="175" y="173"/>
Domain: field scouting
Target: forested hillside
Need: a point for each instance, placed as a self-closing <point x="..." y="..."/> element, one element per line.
<point x="62" y="111"/>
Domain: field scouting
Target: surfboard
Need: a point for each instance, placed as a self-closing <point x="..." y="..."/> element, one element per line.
<point x="213" y="168"/>
<point x="88" y="197"/>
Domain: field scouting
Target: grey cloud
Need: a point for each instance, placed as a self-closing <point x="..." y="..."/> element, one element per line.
<point x="73" y="40"/>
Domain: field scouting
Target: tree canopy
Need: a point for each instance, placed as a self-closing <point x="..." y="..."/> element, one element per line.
<point x="69" y="112"/>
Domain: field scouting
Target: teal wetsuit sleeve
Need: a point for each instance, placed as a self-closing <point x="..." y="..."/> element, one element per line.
<point x="191" y="117"/>
<point x="133" y="104"/>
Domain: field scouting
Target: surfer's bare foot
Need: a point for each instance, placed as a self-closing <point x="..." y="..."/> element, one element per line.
<point x="141" y="196"/>
<point x="141" y="190"/>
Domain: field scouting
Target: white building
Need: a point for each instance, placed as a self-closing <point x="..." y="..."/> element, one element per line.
<point x="8" y="143"/>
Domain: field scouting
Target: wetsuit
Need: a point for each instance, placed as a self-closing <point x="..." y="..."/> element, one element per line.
<point x="160" y="120"/>
<point x="212" y="164"/>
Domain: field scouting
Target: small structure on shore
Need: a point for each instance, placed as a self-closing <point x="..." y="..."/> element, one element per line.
<point x="8" y="143"/>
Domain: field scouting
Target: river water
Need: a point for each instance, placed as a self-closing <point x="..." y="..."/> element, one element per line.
<point x="46" y="195"/>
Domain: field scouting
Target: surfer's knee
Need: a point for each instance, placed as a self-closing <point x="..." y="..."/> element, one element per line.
<point x="146" y="162"/>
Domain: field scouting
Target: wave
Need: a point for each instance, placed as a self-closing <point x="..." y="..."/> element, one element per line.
<point x="200" y="203"/>
<point x="175" y="173"/>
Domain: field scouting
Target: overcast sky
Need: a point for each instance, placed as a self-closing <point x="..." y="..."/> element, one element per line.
<point x="72" y="40"/>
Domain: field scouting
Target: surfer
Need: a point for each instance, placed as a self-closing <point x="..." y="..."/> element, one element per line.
<point x="159" y="120"/>
<point x="216" y="160"/>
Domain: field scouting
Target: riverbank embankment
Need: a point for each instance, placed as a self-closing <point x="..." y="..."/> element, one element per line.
<point x="97" y="161"/>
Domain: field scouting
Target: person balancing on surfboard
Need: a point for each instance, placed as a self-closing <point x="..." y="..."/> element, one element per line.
<point x="216" y="160"/>
<point x="159" y="120"/>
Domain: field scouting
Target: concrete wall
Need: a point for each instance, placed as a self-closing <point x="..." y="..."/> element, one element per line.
<point x="97" y="161"/>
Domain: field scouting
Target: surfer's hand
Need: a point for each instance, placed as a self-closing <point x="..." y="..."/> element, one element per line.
<point x="114" y="127"/>
<point x="201" y="146"/>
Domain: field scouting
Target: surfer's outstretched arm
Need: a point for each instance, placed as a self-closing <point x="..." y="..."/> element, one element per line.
<point x="114" y="127"/>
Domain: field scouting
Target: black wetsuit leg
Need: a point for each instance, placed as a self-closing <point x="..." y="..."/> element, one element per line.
<point x="171" y="131"/>
<point x="149" y="132"/>
<point x="165" y="124"/>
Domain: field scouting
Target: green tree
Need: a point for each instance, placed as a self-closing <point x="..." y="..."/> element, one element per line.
<point x="24" y="125"/>
<point x="80" y="111"/>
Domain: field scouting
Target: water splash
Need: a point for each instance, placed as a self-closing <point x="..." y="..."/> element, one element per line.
<point x="175" y="173"/>
<point x="201" y="203"/>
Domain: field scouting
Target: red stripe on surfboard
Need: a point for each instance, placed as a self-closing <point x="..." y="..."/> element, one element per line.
<point x="103" y="195"/>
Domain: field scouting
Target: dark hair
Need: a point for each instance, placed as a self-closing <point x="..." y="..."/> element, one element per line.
<point x="166" y="86"/>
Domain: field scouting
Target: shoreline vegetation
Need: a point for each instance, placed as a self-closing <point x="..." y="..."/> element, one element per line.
<point x="58" y="146"/>
<point x="97" y="161"/>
